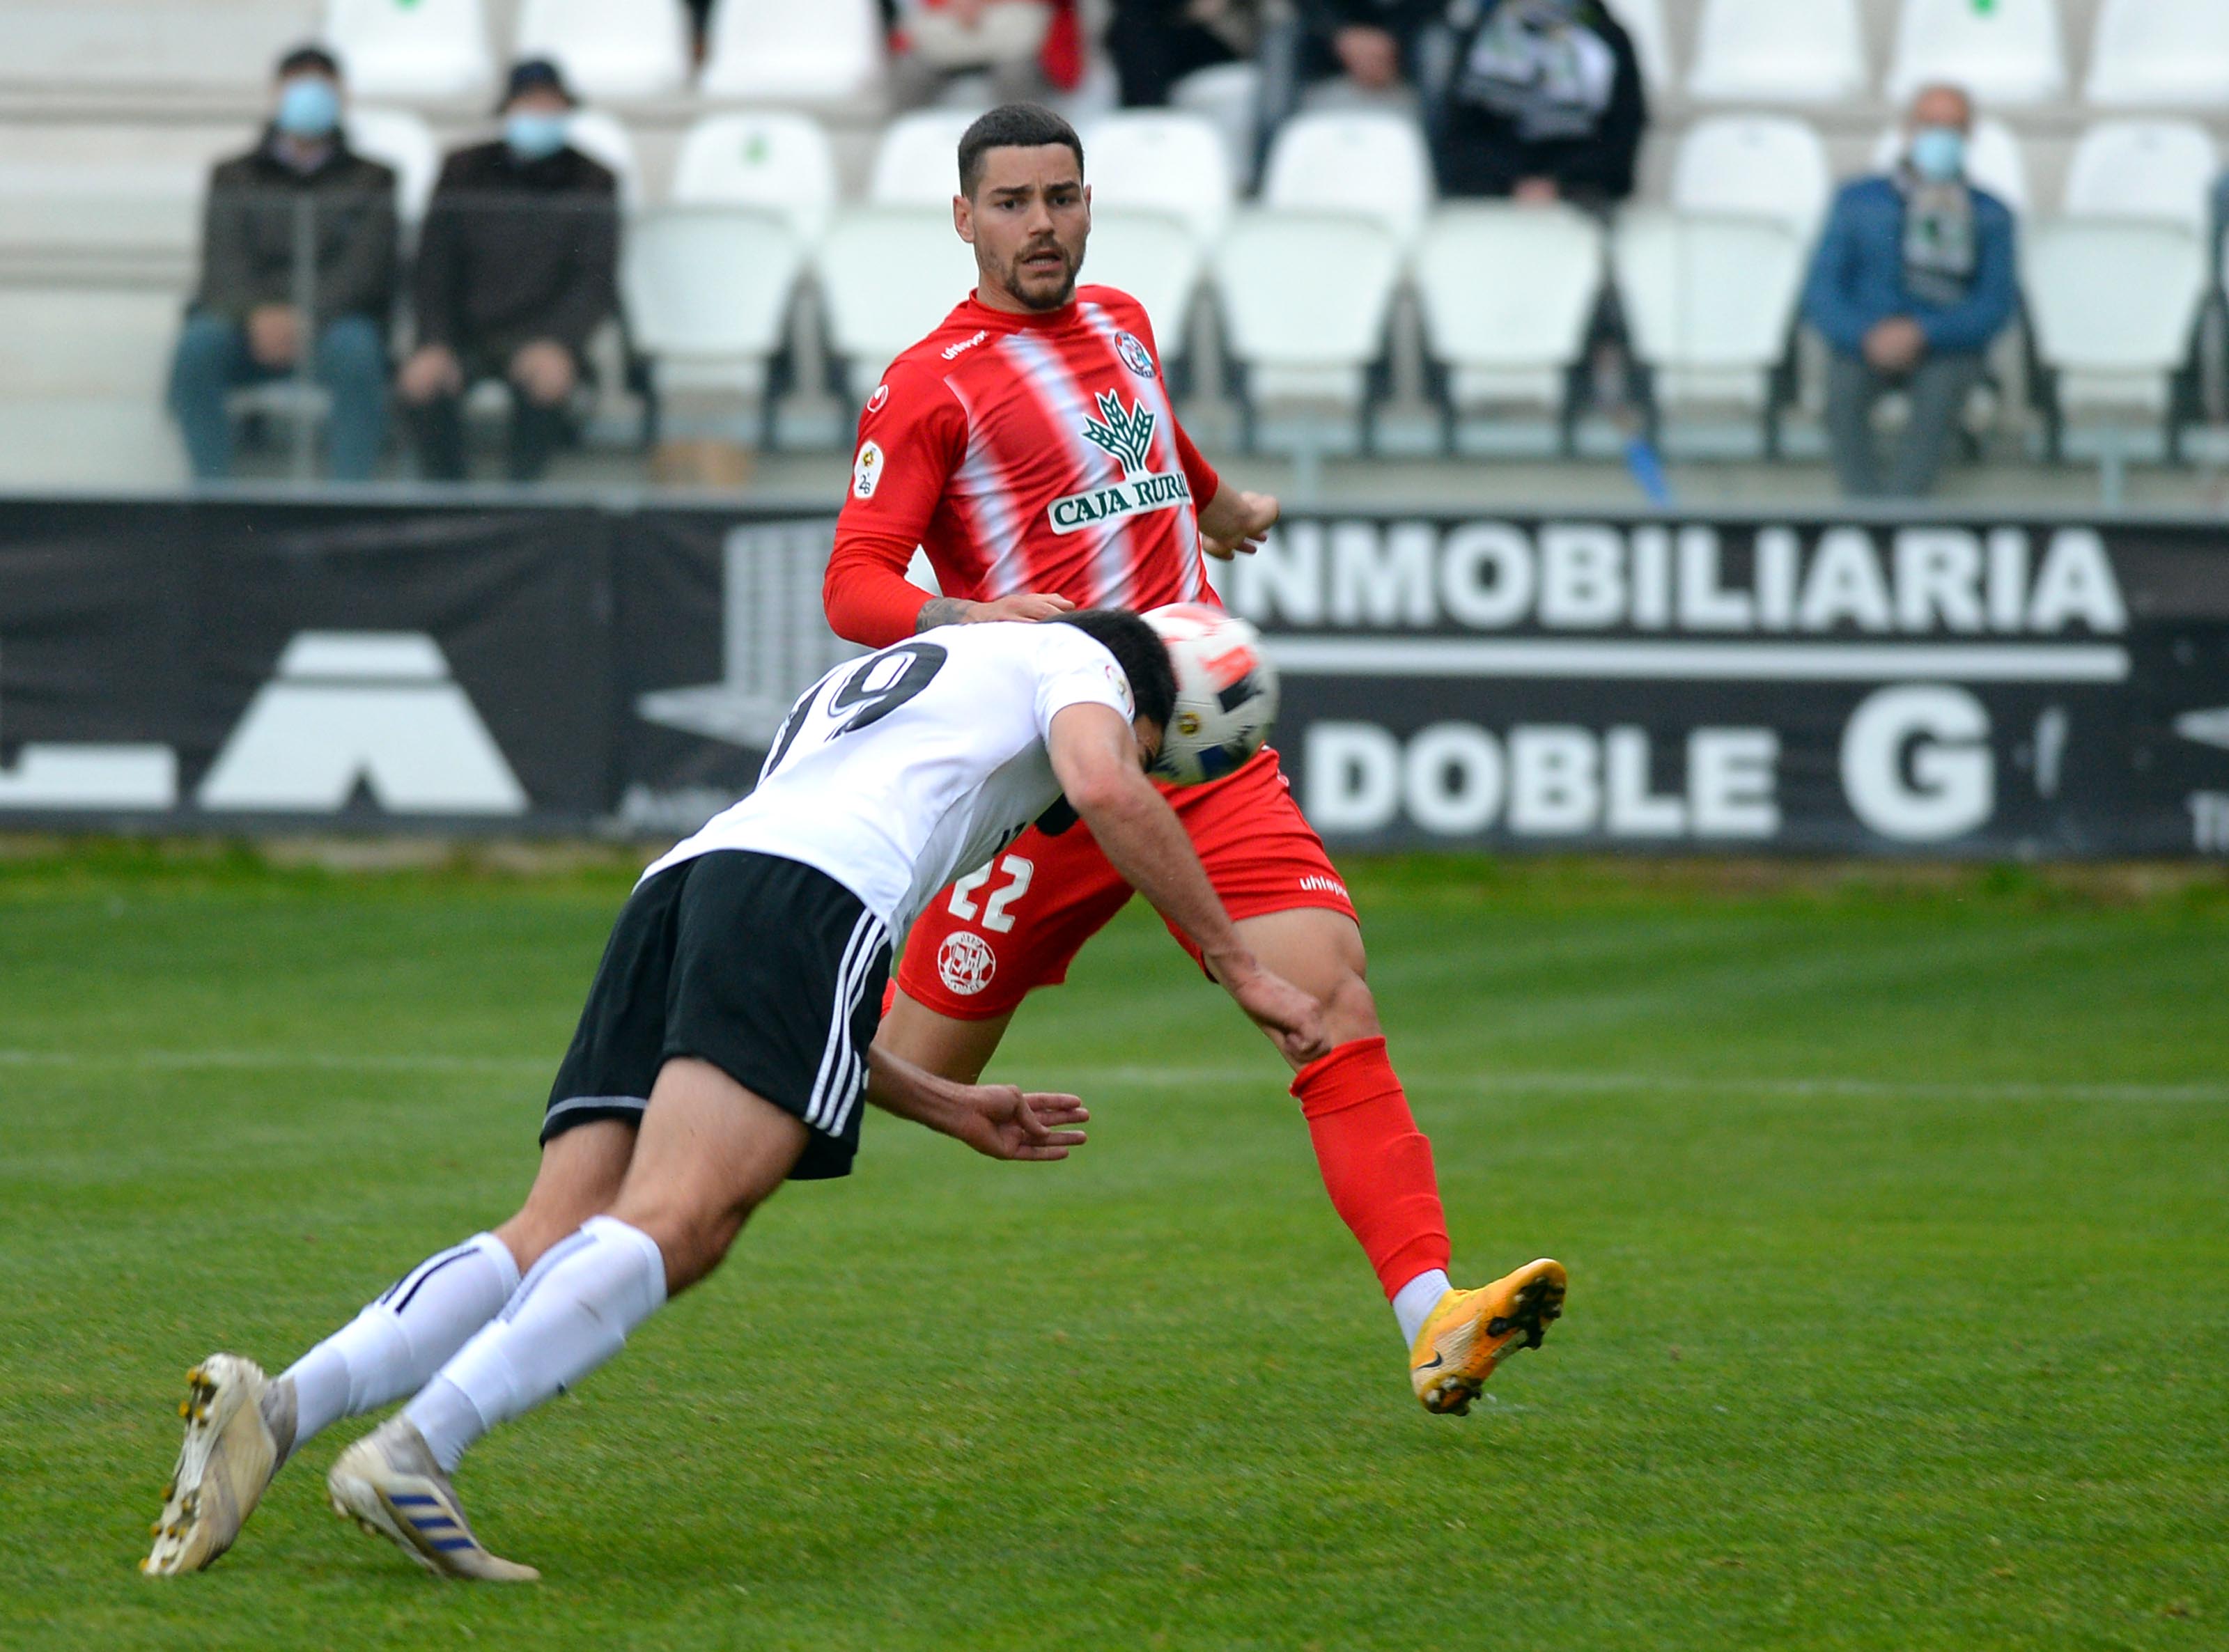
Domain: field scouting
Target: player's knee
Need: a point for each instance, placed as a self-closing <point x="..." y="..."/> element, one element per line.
<point x="1349" y="1010"/>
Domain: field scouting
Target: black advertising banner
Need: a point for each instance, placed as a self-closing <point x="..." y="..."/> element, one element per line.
<point x="1964" y="687"/>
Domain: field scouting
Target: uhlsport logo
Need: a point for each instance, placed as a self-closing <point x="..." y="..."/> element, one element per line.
<point x="1126" y="436"/>
<point x="966" y="963"/>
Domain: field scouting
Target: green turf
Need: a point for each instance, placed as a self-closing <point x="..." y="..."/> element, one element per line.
<point x="1895" y="1218"/>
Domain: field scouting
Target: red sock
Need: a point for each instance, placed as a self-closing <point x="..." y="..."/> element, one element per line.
<point x="1377" y="1165"/>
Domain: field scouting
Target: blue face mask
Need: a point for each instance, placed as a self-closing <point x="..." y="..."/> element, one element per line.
<point x="534" y="134"/>
<point x="1938" y="153"/>
<point x="308" y="106"/>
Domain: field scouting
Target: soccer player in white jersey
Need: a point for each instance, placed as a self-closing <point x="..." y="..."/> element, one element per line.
<point x="724" y="1048"/>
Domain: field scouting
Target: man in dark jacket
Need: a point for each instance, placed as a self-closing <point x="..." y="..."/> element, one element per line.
<point x="261" y="302"/>
<point x="518" y="266"/>
<point x="1914" y="277"/>
<point x="1543" y="103"/>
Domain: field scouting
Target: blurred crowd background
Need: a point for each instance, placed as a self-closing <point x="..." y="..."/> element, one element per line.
<point x="1754" y="249"/>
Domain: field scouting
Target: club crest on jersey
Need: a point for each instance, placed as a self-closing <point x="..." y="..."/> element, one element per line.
<point x="1135" y="355"/>
<point x="1126" y="435"/>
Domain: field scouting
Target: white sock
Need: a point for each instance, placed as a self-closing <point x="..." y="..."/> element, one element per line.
<point x="573" y="1313"/>
<point x="389" y="1351"/>
<point x="1414" y="1302"/>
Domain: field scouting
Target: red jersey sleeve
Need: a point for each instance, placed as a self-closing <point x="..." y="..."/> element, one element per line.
<point x="1198" y="472"/>
<point x="911" y="437"/>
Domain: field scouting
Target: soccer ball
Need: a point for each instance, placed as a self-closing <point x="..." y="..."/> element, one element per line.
<point x="1226" y="694"/>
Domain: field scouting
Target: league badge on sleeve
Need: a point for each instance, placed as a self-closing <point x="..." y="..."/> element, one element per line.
<point x="1135" y="355"/>
<point x="867" y="471"/>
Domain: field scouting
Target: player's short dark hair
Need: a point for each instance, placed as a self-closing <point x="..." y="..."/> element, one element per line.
<point x="1139" y="650"/>
<point x="1012" y="125"/>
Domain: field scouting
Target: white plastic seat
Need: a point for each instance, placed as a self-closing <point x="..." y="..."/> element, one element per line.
<point x="2160" y="52"/>
<point x="1995" y="160"/>
<point x="917" y="162"/>
<point x="1305" y="296"/>
<point x="1153" y="160"/>
<point x="600" y="137"/>
<point x="2107" y="352"/>
<point x="2161" y="170"/>
<point x="780" y="162"/>
<point x="1651" y="38"/>
<point x="1766" y="166"/>
<point x="1709" y="301"/>
<point x="411" y="49"/>
<point x="1156" y="259"/>
<point x="1360" y="162"/>
<point x="2010" y="52"/>
<point x="708" y="293"/>
<point x="1228" y="96"/>
<point x="398" y="138"/>
<point x="608" y="49"/>
<point x="1778" y="51"/>
<point x="1506" y="293"/>
<point x="783" y="50"/>
<point x="888" y="275"/>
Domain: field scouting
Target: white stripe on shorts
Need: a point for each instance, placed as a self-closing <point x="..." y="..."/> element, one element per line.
<point x="856" y="1077"/>
<point x="835" y="1055"/>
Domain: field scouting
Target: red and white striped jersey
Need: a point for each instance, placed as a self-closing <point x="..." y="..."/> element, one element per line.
<point x="1026" y="452"/>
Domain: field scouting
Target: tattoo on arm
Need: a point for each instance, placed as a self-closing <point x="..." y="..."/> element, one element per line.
<point x="941" y="610"/>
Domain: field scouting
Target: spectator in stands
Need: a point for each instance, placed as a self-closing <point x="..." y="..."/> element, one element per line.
<point x="256" y="310"/>
<point x="941" y="39"/>
<point x="1155" y="44"/>
<point x="1346" y="51"/>
<point x="517" y="267"/>
<point x="1913" y="278"/>
<point x="1543" y="103"/>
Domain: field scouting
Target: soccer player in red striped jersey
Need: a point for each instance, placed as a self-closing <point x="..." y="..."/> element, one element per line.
<point x="1029" y="447"/>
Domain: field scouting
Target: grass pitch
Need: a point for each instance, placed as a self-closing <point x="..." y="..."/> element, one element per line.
<point x="1895" y="1218"/>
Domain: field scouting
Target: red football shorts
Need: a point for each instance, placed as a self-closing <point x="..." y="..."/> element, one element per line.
<point x="1001" y="932"/>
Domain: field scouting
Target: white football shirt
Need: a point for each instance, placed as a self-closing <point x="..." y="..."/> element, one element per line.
<point x="895" y="772"/>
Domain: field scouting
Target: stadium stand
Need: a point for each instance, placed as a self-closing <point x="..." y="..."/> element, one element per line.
<point x="1651" y="38"/>
<point x="2160" y="53"/>
<point x="2103" y="357"/>
<point x="1766" y="166"/>
<point x="601" y="137"/>
<point x="887" y="276"/>
<point x="2005" y="52"/>
<point x="404" y="141"/>
<point x="1356" y="161"/>
<point x="782" y="52"/>
<point x="779" y="161"/>
<point x="1996" y="158"/>
<point x="412" y="49"/>
<point x="913" y="166"/>
<point x="1162" y="161"/>
<point x="1156" y="258"/>
<point x="1768" y="51"/>
<point x="608" y="51"/>
<point x="708" y="291"/>
<point x="2143" y="169"/>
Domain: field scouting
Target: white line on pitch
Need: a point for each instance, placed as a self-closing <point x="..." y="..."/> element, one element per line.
<point x="1823" y="662"/>
<point x="1176" y="1077"/>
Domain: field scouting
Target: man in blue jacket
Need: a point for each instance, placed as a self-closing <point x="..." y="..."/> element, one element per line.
<point x="1913" y="278"/>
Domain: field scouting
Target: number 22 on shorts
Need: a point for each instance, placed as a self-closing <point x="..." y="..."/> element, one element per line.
<point x="996" y="917"/>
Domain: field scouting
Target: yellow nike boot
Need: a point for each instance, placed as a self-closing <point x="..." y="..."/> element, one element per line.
<point x="1471" y="1331"/>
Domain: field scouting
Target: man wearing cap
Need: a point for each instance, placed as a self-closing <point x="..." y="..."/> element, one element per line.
<point x="260" y="303"/>
<point x="518" y="266"/>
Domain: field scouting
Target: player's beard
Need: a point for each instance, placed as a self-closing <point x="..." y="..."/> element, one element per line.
<point x="1037" y="299"/>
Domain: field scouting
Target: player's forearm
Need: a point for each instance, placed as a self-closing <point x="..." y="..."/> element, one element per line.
<point x="1142" y="837"/>
<point x="898" y="1087"/>
<point x="942" y="611"/>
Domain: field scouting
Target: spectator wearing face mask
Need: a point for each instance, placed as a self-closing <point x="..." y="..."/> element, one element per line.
<point x="1543" y="103"/>
<point x="517" y="267"/>
<point x="301" y="188"/>
<point x="1913" y="279"/>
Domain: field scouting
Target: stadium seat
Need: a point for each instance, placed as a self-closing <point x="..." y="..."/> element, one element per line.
<point x="708" y="293"/>
<point x="2155" y="52"/>
<point x="1158" y="161"/>
<point x="1228" y="96"/>
<point x="2102" y="354"/>
<point x="602" y="138"/>
<point x="2005" y="52"/>
<point x="1772" y="51"/>
<point x="58" y="44"/>
<point x="607" y="50"/>
<point x="403" y="141"/>
<point x="918" y="164"/>
<point x="1360" y="162"/>
<point x="2161" y="170"/>
<point x="1995" y="159"/>
<point x="1651" y="38"/>
<point x="1305" y="298"/>
<point x="780" y="162"/>
<point x="826" y="51"/>
<point x="1710" y="305"/>
<point x="888" y="275"/>
<point x="411" y="49"/>
<point x="1156" y="258"/>
<point x="1506" y="293"/>
<point x="1767" y="166"/>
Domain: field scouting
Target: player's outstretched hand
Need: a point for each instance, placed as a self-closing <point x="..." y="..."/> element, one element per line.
<point x="1001" y="1121"/>
<point x="1291" y="1018"/>
<point x="1237" y="520"/>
